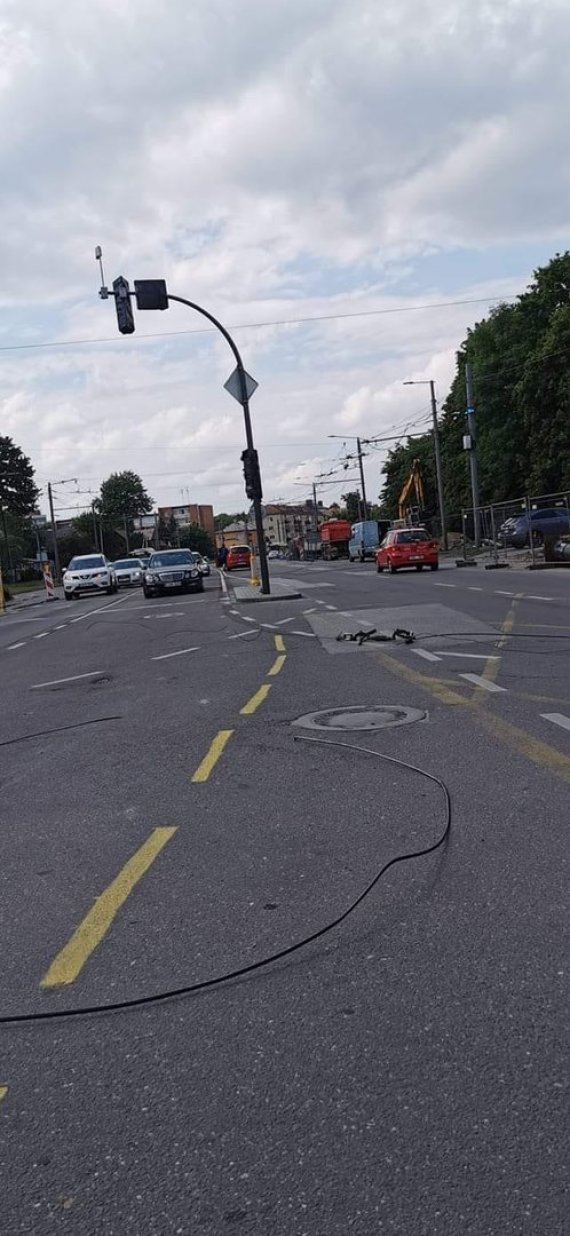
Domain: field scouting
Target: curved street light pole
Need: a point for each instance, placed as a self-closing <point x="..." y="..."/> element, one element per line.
<point x="265" y="588"/>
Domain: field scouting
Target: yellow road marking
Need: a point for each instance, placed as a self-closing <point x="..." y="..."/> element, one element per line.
<point x="278" y="664"/>
<point x="256" y="700"/>
<point x="492" y="667"/>
<point x="212" y="755"/>
<point x="70" y="961"/>
<point x="3" y="1092"/>
<point x="279" y="643"/>
<point x="518" y="740"/>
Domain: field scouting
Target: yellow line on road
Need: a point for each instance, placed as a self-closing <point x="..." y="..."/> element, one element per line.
<point x="279" y="643"/>
<point x="493" y="666"/>
<point x="212" y="755"/>
<point x="70" y="961"/>
<point x="278" y="664"/>
<point x="517" y="739"/>
<point x="3" y="1092"/>
<point x="256" y="700"/>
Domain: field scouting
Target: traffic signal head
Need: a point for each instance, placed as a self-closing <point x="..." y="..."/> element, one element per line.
<point x="125" y="318"/>
<point x="251" y="474"/>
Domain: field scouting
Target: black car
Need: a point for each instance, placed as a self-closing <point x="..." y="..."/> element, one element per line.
<point x="550" y="521"/>
<point x="172" y="570"/>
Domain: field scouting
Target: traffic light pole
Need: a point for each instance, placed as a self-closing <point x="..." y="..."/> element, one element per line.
<point x="258" y="514"/>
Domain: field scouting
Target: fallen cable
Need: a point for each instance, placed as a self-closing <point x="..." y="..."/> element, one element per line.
<point x="376" y="637"/>
<point x="60" y="729"/>
<point x="241" y="971"/>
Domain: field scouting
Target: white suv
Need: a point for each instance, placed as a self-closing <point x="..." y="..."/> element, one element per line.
<point x="91" y="573"/>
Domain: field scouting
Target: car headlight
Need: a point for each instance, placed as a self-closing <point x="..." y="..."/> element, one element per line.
<point x="150" y="578"/>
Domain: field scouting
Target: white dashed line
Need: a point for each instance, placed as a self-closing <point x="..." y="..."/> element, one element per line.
<point x="444" y="585"/>
<point x="427" y="656"/>
<point x="61" y="627"/>
<point x="240" y="634"/>
<point x="330" y="606"/>
<point x="282" y="621"/>
<point x="498" y="593"/>
<point x="474" y="589"/>
<point x="166" y="655"/>
<point x="531" y="597"/>
<point x="246" y="619"/>
<point x="471" y="656"/>
<point x="11" y="647"/>
<point x="482" y="682"/>
<point x="268" y="626"/>
<point x="42" y="635"/>
<point x="307" y="634"/>
<point x="55" y="682"/>
<point x="310" y="611"/>
<point x="557" y="718"/>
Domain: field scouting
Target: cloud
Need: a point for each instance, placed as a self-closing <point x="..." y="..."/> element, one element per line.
<point x="272" y="161"/>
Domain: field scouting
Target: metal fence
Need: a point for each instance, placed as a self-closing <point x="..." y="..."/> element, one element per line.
<point x="497" y="529"/>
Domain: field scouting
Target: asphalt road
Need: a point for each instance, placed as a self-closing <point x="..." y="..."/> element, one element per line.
<point x="165" y="822"/>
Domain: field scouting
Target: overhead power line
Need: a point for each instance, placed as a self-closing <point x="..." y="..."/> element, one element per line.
<point x="208" y="330"/>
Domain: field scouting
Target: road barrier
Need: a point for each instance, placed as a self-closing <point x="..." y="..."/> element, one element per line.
<point x="48" y="581"/>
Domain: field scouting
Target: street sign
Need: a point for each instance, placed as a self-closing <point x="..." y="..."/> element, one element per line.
<point x="151" y="294"/>
<point x="233" y="385"/>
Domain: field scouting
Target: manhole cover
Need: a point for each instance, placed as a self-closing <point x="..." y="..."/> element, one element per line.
<point x="361" y="717"/>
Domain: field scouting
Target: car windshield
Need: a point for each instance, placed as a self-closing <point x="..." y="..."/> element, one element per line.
<point x="405" y="538"/>
<point x="86" y="564"/>
<point x="174" y="557"/>
<point x="127" y="565"/>
<point x="240" y="549"/>
<point x="196" y="556"/>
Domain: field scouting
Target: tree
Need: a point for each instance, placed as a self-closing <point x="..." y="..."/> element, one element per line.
<point x="18" y="490"/>
<point x="520" y="356"/>
<point x="193" y="537"/>
<point x="353" y="506"/>
<point x="123" y="496"/>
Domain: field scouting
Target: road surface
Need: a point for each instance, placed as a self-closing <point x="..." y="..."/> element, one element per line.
<point x="166" y="822"/>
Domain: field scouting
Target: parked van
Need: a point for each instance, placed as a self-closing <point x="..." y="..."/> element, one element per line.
<point x="364" y="541"/>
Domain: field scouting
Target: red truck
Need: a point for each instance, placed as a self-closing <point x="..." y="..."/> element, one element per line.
<point x="335" y="535"/>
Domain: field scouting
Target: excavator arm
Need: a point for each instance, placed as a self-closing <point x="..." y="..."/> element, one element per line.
<point x="415" y="484"/>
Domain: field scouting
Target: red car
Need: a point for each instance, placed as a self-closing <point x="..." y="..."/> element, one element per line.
<point x="238" y="556"/>
<point x="407" y="547"/>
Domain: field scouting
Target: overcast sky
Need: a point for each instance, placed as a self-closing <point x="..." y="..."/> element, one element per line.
<point x="273" y="160"/>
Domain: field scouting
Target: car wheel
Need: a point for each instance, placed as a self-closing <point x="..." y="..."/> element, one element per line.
<point x="434" y="566"/>
<point x="419" y="568"/>
<point x="68" y="595"/>
<point x="379" y="568"/>
<point x="537" y="539"/>
<point x="200" y="587"/>
<point x="146" y="593"/>
<point x="391" y="568"/>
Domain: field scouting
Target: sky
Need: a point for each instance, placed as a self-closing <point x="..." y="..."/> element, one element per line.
<point x="347" y="184"/>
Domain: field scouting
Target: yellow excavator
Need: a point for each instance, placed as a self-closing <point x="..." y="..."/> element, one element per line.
<point x="413" y="485"/>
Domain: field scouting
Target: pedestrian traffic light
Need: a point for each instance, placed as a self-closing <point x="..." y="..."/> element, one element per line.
<point x="250" y="461"/>
<point x="122" y="294"/>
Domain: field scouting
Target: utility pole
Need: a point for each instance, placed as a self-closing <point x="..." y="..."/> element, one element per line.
<point x="470" y="445"/>
<point x="362" y="482"/>
<point x="54" y="535"/>
<point x="316" y="512"/>
<point x="94" y="525"/>
<point x="438" y="465"/>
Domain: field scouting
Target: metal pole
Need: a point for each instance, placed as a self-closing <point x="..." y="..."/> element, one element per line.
<point x="530" y="536"/>
<point x="438" y="466"/>
<point x="95" y="526"/>
<point x="362" y="482"/>
<point x="316" y="514"/>
<point x="8" y="546"/>
<point x="54" y="534"/>
<point x="258" y="514"/>
<point x="126" y="527"/>
<point x="473" y="469"/>
<point x="494" y="536"/>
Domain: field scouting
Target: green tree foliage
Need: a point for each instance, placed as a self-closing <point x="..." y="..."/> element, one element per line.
<point x="352" y="506"/>
<point x="194" y="537"/>
<point x="18" y="490"/>
<point x="123" y="494"/>
<point x="520" y="356"/>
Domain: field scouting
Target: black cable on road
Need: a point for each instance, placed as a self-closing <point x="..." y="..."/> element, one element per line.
<point x="241" y="971"/>
<point x="60" y="729"/>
